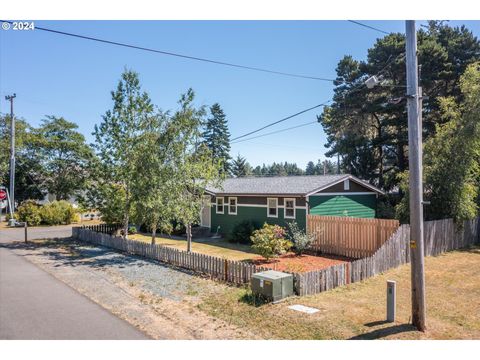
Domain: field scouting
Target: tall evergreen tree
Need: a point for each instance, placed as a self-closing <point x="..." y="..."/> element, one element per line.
<point x="217" y="136"/>
<point x="310" y="170"/>
<point x="368" y="127"/>
<point x="240" y="167"/>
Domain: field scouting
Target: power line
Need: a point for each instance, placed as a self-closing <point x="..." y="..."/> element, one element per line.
<point x="281" y="120"/>
<point x="180" y="55"/>
<point x="355" y="88"/>
<point x="369" y="27"/>
<point x="276" y="132"/>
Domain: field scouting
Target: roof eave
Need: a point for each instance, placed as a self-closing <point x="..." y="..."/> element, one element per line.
<point x="349" y="177"/>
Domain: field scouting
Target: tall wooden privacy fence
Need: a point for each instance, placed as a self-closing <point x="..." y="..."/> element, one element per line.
<point x="216" y="268"/>
<point x="351" y="237"/>
<point x="439" y="236"/>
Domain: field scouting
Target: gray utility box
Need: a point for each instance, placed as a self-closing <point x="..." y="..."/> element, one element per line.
<point x="273" y="285"/>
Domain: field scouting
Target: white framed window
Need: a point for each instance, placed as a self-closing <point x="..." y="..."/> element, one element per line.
<point x="232" y="206"/>
<point x="346" y="185"/>
<point x="219" y="205"/>
<point x="289" y="208"/>
<point x="272" y="207"/>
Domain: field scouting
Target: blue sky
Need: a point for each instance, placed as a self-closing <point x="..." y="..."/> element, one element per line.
<point x="63" y="76"/>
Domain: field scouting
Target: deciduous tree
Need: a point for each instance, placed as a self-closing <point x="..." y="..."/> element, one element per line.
<point x="193" y="163"/>
<point x="118" y="135"/>
<point x="64" y="157"/>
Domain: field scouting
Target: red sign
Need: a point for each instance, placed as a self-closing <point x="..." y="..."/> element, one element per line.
<point x="3" y="194"/>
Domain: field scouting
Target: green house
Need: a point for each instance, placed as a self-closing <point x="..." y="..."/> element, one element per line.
<point x="277" y="200"/>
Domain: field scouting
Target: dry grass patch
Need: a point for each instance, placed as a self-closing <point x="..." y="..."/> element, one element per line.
<point x="358" y="310"/>
<point x="213" y="247"/>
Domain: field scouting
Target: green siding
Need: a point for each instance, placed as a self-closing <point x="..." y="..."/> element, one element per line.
<point x="360" y="206"/>
<point x="255" y="214"/>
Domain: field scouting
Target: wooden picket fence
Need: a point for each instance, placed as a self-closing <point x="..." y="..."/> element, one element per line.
<point x="103" y="228"/>
<point x="439" y="236"/>
<point x="216" y="268"/>
<point x="351" y="237"/>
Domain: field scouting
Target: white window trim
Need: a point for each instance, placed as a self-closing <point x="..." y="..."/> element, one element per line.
<point x="223" y="205"/>
<point x="268" y="207"/>
<point x="236" y="205"/>
<point x="346" y="184"/>
<point x="285" y="208"/>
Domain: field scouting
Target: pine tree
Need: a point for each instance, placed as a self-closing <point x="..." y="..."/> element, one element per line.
<point x="370" y="133"/>
<point x="240" y="167"/>
<point x="217" y="136"/>
<point x="310" y="170"/>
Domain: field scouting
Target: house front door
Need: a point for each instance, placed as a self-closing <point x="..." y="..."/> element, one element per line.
<point x="206" y="212"/>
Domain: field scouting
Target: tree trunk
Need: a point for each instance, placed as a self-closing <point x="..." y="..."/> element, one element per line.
<point x="154" y="233"/>
<point x="126" y="215"/>
<point x="125" y="226"/>
<point x="189" y="237"/>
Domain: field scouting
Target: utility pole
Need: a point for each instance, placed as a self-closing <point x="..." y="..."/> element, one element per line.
<point x="12" y="157"/>
<point x="415" y="180"/>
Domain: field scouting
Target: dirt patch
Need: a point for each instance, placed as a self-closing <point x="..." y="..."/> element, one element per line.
<point x="300" y="263"/>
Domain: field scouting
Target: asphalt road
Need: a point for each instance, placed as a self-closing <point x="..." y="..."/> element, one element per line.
<point x="35" y="305"/>
<point x="18" y="234"/>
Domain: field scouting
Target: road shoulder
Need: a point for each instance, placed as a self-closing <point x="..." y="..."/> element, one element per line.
<point x="157" y="299"/>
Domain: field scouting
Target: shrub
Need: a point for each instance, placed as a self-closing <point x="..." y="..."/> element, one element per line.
<point x="242" y="232"/>
<point x="15" y="216"/>
<point x="300" y="239"/>
<point x="57" y="212"/>
<point x="132" y="230"/>
<point x="270" y="241"/>
<point x="29" y="212"/>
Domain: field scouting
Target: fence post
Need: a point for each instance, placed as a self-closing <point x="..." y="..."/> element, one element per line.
<point x="226" y="269"/>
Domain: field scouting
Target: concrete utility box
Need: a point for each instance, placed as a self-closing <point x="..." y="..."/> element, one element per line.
<point x="274" y="285"/>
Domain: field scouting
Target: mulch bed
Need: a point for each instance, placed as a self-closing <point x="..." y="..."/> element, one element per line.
<point x="300" y="263"/>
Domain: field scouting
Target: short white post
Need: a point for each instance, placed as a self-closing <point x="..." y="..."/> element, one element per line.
<point x="391" y="300"/>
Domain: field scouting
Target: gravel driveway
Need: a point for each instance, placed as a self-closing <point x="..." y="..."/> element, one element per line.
<point x="160" y="279"/>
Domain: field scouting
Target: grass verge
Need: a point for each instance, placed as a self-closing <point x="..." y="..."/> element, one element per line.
<point x="357" y="311"/>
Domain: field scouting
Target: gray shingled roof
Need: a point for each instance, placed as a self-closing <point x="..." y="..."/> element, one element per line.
<point x="285" y="185"/>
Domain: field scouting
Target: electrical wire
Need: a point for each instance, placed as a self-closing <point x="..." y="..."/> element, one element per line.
<point x="252" y="68"/>
<point x="276" y="132"/>
<point x="281" y="120"/>
<point x="369" y="27"/>
<point x="350" y="91"/>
